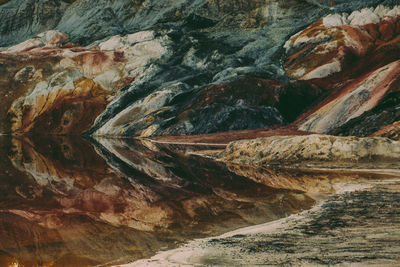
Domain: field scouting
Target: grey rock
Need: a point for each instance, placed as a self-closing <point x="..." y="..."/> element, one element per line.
<point x="212" y="42"/>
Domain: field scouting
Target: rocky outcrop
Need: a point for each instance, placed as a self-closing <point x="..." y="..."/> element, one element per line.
<point x="353" y="100"/>
<point x="355" y="57"/>
<point x="391" y="131"/>
<point x="334" y="42"/>
<point x="323" y="149"/>
<point x="200" y="67"/>
<point x="191" y="54"/>
<point x="86" y="21"/>
<point x="66" y="89"/>
<point x="23" y="19"/>
<point x="60" y="89"/>
<point x="245" y="103"/>
<point x="379" y="121"/>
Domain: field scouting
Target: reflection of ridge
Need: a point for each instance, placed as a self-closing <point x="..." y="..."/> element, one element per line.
<point x="192" y="174"/>
<point x="122" y="200"/>
<point x="80" y="240"/>
<point x="48" y="176"/>
<point x="121" y="164"/>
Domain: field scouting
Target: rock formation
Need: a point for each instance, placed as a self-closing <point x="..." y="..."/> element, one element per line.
<point x="319" y="149"/>
<point x="62" y="89"/>
<point x="157" y="68"/>
<point x="172" y="68"/>
<point x="355" y="57"/>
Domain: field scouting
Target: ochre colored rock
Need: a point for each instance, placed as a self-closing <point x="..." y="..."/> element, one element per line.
<point x="322" y="48"/>
<point x="353" y="100"/>
<point x="391" y="131"/>
<point x="287" y="150"/>
<point x="356" y="58"/>
<point x="379" y="121"/>
<point x="386" y="30"/>
<point x="62" y="89"/>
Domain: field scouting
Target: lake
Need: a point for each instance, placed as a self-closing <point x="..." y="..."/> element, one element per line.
<point x="68" y="201"/>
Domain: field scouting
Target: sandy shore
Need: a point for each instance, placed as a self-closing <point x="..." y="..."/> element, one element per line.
<point x="359" y="225"/>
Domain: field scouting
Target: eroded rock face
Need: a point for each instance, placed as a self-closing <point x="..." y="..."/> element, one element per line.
<point x="334" y="42"/>
<point x="353" y="100"/>
<point x="86" y="21"/>
<point x="382" y="120"/>
<point x="323" y="149"/>
<point x="153" y="67"/>
<point x="355" y="57"/>
<point x="245" y="103"/>
<point x="391" y="131"/>
<point x="23" y="19"/>
<point x="200" y="67"/>
<point x="62" y="89"/>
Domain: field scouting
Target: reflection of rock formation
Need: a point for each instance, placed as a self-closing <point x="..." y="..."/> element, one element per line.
<point x="197" y="184"/>
<point x="71" y="205"/>
<point x="308" y="180"/>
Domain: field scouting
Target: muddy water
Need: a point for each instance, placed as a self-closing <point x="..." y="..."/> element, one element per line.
<point x="72" y="202"/>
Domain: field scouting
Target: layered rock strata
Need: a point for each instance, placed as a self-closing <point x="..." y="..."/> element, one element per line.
<point x="355" y="56"/>
<point x="192" y="76"/>
<point x="202" y="67"/>
<point x="333" y="43"/>
<point x="61" y="89"/>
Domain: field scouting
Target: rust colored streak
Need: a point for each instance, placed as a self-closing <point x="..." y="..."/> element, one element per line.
<point x="391" y="131"/>
<point x="119" y="56"/>
<point x="69" y="115"/>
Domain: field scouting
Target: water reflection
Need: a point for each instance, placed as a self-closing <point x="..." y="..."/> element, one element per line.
<point x="70" y="202"/>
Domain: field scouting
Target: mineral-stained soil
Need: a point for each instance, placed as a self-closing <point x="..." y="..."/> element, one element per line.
<point x="281" y="73"/>
<point x="355" y="56"/>
<point x="222" y="139"/>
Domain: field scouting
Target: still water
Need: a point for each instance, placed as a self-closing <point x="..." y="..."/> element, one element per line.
<point x="73" y="202"/>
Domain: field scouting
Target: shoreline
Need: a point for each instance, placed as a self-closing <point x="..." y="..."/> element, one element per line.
<point x="196" y="252"/>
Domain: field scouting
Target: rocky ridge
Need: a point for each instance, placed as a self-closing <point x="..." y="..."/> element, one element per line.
<point x="355" y="57"/>
<point x="62" y="89"/>
<point x="202" y="67"/>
